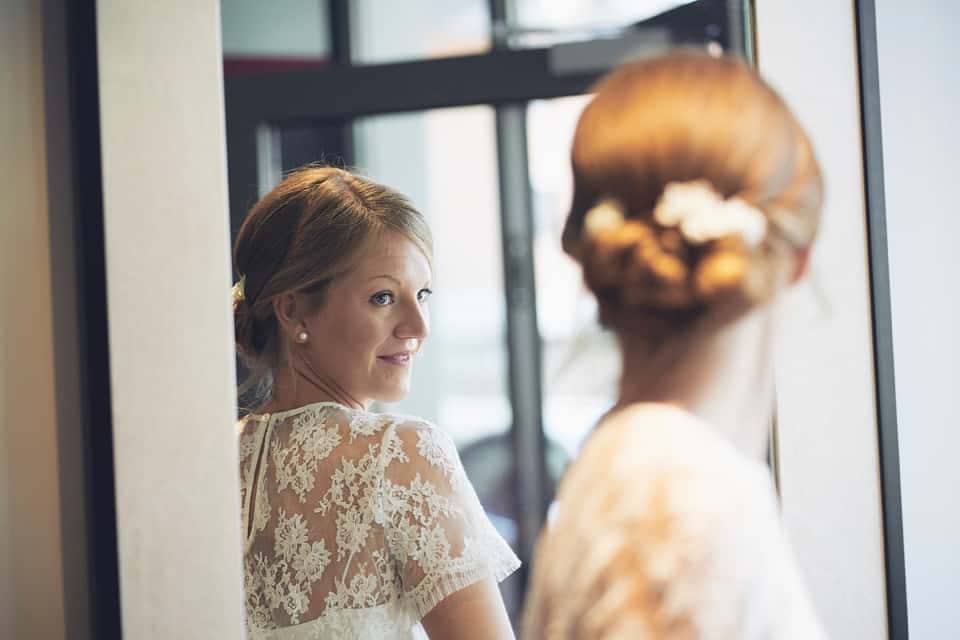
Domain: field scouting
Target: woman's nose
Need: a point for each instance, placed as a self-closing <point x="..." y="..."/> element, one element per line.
<point x="415" y="324"/>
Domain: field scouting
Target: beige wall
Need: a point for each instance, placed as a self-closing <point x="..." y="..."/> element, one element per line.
<point x="829" y="473"/>
<point x="31" y="574"/>
<point x="171" y="340"/>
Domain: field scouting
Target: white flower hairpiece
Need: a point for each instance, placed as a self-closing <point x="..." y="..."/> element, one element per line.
<point x="703" y="215"/>
<point x="607" y="215"/>
<point x="696" y="208"/>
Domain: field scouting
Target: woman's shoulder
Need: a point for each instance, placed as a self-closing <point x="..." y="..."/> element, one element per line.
<point x="356" y="423"/>
<point x="673" y="472"/>
<point x="417" y="447"/>
<point x="409" y="431"/>
<point x="662" y="436"/>
<point x="661" y="452"/>
<point x="415" y="431"/>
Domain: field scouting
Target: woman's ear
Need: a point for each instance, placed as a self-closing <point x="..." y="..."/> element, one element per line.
<point x="801" y="265"/>
<point x="285" y="308"/>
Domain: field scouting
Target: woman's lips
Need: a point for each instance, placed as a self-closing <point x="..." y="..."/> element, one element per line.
<point x="401" y="359"/>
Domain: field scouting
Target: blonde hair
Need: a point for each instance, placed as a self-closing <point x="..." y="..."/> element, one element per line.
<point x="299" y="237"/>
<point x="680" y="118"/>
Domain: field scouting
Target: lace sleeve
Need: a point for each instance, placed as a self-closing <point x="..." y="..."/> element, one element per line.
<point x="437" y="532"/>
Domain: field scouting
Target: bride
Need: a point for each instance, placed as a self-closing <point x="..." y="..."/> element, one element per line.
<point x="357" y="524"/>
<point x="696" y="201"/>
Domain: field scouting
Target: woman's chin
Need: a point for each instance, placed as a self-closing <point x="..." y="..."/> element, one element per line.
<point x="394" y="393"/>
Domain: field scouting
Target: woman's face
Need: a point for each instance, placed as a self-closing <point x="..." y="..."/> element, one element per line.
<point x="373" y="322"/>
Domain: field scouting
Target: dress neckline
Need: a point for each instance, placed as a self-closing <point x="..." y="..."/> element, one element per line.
<point x="280" y="415"/>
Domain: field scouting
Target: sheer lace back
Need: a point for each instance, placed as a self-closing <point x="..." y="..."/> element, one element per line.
<point x="357" y="524"/>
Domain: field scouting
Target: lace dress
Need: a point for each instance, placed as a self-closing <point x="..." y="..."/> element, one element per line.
<point x="664" y="530"/>
<point x="357" y="524"/>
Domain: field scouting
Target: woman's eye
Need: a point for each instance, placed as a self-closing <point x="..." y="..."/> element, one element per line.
<point x="424" y="294"/>
<point x="382" y="299"/>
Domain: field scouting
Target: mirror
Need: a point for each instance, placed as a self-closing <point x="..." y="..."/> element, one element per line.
<point x="516" y="370"/>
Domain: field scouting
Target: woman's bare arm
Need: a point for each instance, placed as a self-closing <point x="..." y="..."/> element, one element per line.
<point x="474" y="613"/>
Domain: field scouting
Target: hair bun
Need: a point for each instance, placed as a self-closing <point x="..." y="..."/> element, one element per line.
<point x="694" y="190"/>
<point x="244" y="327"/>
<point x="670" y="258"/>
<point x="633" y="265"/>
<point x="721" y="272"/>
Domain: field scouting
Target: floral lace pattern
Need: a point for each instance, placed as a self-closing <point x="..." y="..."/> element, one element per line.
<point x="436" y="449"/>
<point x="357" y="524"/>
<point x="311" y="440"/>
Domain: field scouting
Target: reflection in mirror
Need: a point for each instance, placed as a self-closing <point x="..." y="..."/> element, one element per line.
<point x="710" y="23"/>
<point x="383" y="32"/>
<point x="581" y="361"/>
<point x="310" y="82"/>
<point x="260" y="37"/>
<point x="353" y="519"/>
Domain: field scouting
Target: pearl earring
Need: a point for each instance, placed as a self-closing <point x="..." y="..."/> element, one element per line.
<point x="302" y="337"/>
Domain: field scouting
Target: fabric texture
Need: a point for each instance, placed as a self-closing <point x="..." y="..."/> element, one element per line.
<point x="357" y="524"/>
<point x="664" y="530"/>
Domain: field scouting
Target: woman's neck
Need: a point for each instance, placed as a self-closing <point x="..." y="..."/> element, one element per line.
<point x="300" y="384"/>
<point x="725" y="379"/>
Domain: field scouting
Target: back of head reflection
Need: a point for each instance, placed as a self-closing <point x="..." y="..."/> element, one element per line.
<point x="357" y="525"/>
<point x="697" y="198"/>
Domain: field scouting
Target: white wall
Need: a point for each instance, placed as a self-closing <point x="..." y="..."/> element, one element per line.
<point x="829" y="469"/>
<point x="170" y="325"/>
<point x="920" y="101"/>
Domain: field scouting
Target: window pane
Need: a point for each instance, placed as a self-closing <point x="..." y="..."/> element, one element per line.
<point x="569" y="14"/>
<point x="445" y="161"/>
<point x="279" y="35"/>
<point x="537" y="23"/>
<point x="396" y="31"/>
<point x="581" y="365"/>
